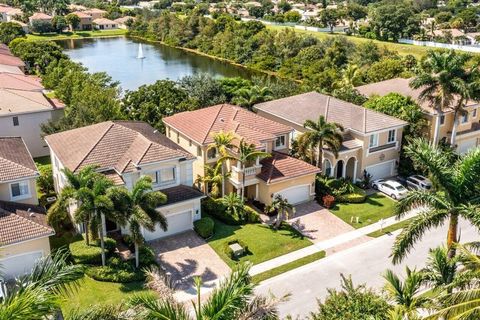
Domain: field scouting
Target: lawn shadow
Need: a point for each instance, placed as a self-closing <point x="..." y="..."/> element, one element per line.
<point x="371" y="199"/>
<point x="132" y="287"/>
<point x="285" y="227"/>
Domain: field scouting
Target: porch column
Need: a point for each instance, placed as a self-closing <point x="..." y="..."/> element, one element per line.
<point x="239" y="165"/>
<point x="239" y="191"/>
<point x="257" y="161"/>
<point x="256" y="191"/>
<point x="344" y="172"/>
<point x="355" y="171"/>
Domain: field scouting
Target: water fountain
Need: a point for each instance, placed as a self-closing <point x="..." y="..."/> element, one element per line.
<point x="140" y="52"/>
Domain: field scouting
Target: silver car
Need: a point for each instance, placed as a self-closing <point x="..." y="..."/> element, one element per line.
<point x="419" y="182"/>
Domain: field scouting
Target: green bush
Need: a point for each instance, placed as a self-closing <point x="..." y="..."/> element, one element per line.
<point x="204" y="227"/>
<point x="215" y="208"/>
<point x="251" y="216"/>
<point x="229" y="252"/>
<point x="116" y="270"/>
<point x="147" y="256"/>
<point x="92" y="254"/>
<point x="358" y="196"/>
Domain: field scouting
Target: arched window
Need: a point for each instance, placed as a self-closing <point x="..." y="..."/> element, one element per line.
<point x="327" y="168"/>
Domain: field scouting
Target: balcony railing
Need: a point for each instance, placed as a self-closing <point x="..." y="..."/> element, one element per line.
<point x="250" y="171"/>
<point x="382" y="147"/>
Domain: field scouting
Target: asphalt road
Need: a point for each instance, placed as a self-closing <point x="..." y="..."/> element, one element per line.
<point x="366" y="263"/>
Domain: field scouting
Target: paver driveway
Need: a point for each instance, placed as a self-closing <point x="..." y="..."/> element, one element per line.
<point x="317" y="223"/>
<point x="186" y="255"/>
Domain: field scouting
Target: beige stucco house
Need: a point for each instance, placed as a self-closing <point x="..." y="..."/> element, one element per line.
<point x="23" y="229"/>
<point x="105" y="24"/>
<point x="124" y="151"/>
<point x="86" y="20"/>
<point x="468" y="128"/>
<point x="95" y="13"/>
<point x="278" y="174"/>
<point x="372" y="140"/>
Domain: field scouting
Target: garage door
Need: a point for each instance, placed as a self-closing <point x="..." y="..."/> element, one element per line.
<point x="297" y="194"/>
<point x="19" y="265"/>
<point x="466" y="146"/>
<point x="176" y="223"/>
<point x="382" y="170"/>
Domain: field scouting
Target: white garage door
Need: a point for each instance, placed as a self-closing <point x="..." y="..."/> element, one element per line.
<point x="296" y="194"/>
<point x="381" y="170"/>
<point x="466" y="146"/>
<point x="176" y="223"/>
<point x="19" y="265"/>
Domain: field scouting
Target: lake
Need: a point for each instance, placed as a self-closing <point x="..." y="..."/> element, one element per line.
<point x="118" y="57"/>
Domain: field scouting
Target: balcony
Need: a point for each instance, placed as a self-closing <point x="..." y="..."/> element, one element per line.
<point x="250" y="174"/>
<point x="386" y="146"/>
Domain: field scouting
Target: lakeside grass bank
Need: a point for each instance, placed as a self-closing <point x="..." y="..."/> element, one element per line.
<point x="77" y="35"/>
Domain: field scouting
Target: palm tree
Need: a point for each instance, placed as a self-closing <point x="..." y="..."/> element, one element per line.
<point x="246" y="153"/>
<point x="457" y="187"/>
<point x="406" y="295"/>
<point x="440" y="271"/>
<point x="234" y="298"/>
<point x="247" y="97"/>
<point x="321" y="134"/>
<point x="282" y="207"/>
<point x="138" y="207"/>
<point x="213" y="179"/>
<point x="233" y="204"/>
<point x="222" y="142"/>
<point x="439" y="81"/>
<point x="36" y="295"/>
<point x="75" y="182"/>
<point x="351" y="77"/>
<point x="95" y="205"/>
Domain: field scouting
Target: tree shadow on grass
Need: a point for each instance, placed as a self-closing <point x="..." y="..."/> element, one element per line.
<point x="132" y="287"/>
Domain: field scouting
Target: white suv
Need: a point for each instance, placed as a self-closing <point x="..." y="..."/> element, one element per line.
<point x="419" y="182"/>
<point x="391" y="188"/>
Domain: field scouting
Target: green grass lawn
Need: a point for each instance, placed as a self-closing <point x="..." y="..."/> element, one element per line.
<point x="403" y="49"/>
<point x="377" y="206"/>
<point x="287" y="267"/>
<point x="91" y="292"/>
<point x="42" y="160"/>
<point x="77" y="35"/>
<point x="264" y="243"/>
<point x="389" y="229"/>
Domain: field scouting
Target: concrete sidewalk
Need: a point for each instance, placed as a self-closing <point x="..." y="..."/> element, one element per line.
<point x="327" y="244"/>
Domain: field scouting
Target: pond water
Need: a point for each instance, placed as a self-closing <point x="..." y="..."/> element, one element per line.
<point x="118" y="57"/>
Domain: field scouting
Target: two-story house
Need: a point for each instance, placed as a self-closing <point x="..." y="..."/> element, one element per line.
<point x="86" y="20"/>
<point x="24" y="231"/>
<point x="468" y="128"/>
<point x="278" y="174"/>
<point x="371" y="140"/>
<point x="124" y="151"/>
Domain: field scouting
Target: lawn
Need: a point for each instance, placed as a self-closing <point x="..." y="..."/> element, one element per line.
<point x="377" y="206"/>
<point x="264" y="243"/>
<point x="389" y="229"/>
<point x="288" y="266"/>
<point x="403" y="49"/>
<point x="42" y="160"/>
<point x="77" y="35"/>
<point x="91" y="292"/>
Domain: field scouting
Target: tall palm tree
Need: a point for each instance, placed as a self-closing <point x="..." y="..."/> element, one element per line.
<point x="407" y="294"/>
<point x="456" y="196"/>
<point x="213" y="179"/>
<point x="439" y="81"/>
<point x="36" y="295"/>
<point x="74" y="182"/>
<point x="245" y="154"/>
<point x="222" y="142"/>
<point x="234" y="298"/>
<point x="95" y="204"/>
<point x="138" y="209"/>
<point x="440" y="271"/>
<point x="233" y="204"/>
<point x="247" y="97"/>
<point x="283" y="208"/>
<point x="321" y="134"/>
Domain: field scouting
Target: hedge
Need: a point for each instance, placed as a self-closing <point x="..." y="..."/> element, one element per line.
<point x="214" y="208"/>
<point x="358" y="196"/>
<point x="251" y="215"/>
<point x="92" y="254"/>
<point x="116" y="270"/>
<point x="204" y="227"/>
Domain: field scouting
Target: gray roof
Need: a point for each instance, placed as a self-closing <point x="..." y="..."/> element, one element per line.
<point x="309" y="106"/>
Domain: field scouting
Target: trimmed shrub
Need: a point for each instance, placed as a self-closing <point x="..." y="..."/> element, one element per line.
<point x="147" y="256"/>
<point x="92" y="254"/>
<point x="229" y="252"/>
<point x="204" y="227"/>
<point x="328" y="201"/>
<point x="251" y="215"/>
<point x="116" y="270"/>
<point x="358" y="196"/>
<point x="216" y="209"/>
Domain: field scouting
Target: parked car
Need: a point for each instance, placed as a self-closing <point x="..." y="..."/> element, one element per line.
<point x="391" y="188"/>
<point x="419" y="182"/>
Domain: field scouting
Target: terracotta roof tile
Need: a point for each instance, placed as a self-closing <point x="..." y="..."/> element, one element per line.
<point x="311" y="105"/>
<point x="280" y="167"/>
<point x="199" y="125"/>
<point x="22" y="222"/>
<point x="40" y="16"/>
<point x="119" y="145"/>
<point x="21" y="101"/>
<point x="103" y="21"/>
<point x="20" y="82"/>
<point x="15" y="160"/>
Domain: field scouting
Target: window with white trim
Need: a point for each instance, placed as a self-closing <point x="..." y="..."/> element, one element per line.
<point x="212" y="153"/>
<point x="373" y="140"/>
<point x="280" y="142"/>
<point x="20" y="190"/>
<point x="152" y="175"/>
<point x="163" y="176"/>
<point x="391" y="135"/>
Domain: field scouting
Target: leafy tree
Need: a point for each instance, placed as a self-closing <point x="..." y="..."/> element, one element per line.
<point x="385" y="69"/>
<point x="41" y="26"/>
<point x="292" y="16"/>
<point x="151" y="103"/>
<point x="73" y="21"/>
<point x="352" y="303"/>
<point x="45" y="180"/>
<point x="284" y="6"/>
<point x="249" y="97"/>
<point x="457" y="190"/>
<point x="282" y="207"/>
<point x="10" y="31"/>
<point x="59" y="23"/>
<point x="392" y="21"/>
<point x="37" y="54"/>
<point x="231" y="85"/>
<point x="330" y="18"/>
<point x="468" y="18"/>
<point x="320" y="134"/>
<point x="139" y="210"/>
<point x="234" y="205"/>
<point x="203" y="89"/>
